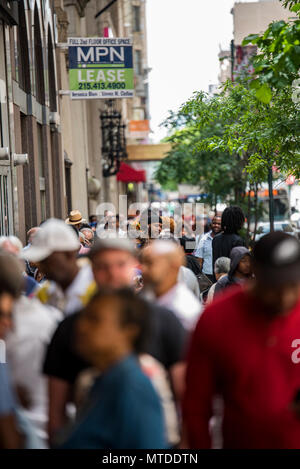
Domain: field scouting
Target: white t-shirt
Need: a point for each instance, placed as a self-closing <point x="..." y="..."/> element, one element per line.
<point x="188" y="277"/>
<point x="34" y="325"/>
<point x="183" y="303"/>
<point x="74" y="297"/>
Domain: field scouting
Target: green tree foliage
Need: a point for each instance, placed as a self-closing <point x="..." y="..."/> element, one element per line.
<point x="277" y="63"/>
<point x="262" y="135"/>
<point x="293" y="5"/>
<point x="235" y="137"/>
<point x="229" y="142"/>
<point x="213" y="170"/>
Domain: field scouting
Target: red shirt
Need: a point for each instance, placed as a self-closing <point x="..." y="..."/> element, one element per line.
<point x="240" y="353"/>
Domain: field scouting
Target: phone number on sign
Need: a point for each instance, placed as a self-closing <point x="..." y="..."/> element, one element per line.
<point x="102" y="86"/>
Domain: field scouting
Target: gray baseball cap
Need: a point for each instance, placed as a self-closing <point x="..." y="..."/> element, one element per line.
<point x="113" y="242"/>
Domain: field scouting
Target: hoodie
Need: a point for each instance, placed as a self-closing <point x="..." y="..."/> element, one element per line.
<point x="236" y="256"/>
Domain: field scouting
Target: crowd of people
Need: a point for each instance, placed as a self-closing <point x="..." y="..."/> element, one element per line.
<point x="142" y="334"/>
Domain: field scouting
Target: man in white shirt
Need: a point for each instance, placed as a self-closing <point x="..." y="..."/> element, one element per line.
<point x="54" y="249"/>
<point x="33" y="327"/>
<point x="204" y="249"/>
<point x="161" y="263"/>
<point x="188" y="277"/>
<point x="185" y="275"/>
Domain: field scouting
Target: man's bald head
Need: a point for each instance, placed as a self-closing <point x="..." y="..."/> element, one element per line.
<point x="170" y="249"/>
<point x="161" y="261"/>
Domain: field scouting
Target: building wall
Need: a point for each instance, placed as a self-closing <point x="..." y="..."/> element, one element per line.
<point x="249" y="18"/>
<point x="109" y="189"/>
<point x="80" y="120"/>
<point x="138" y="32"/>
<point x="29" y="85"/>
<point x="225" y="66"/>
<point x="40" y="119"/>
<point x="136" y="29"/>
<point x="254" y="17"/>
<point x="71" y="22"/>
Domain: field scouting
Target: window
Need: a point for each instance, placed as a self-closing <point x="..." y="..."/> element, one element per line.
<point x="29" y="188"/>
<point x="136" y="19"/>
<point x="138" y="62"/>
<point x="42" y="172"/>
<point x="68" y="165"/>
<point x="51" y="74"/>
<point x="22" y="58"/>
<point x="5" y="213"/>
<point x="39" y="63"/>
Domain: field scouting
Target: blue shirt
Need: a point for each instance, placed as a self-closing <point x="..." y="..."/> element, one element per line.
<point x="7" y="399"/>
<point x="204" y="251"/>
<point x="123" y="412"/>
<point x="30" y="285"/>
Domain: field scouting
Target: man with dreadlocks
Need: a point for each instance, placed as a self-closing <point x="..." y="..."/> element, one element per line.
<point x="231" y="223"/>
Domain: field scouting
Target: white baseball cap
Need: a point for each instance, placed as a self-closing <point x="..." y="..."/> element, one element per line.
<point x="54" y="235"/>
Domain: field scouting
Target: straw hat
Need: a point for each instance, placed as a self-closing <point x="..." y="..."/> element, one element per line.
<point x="74" y="218"/>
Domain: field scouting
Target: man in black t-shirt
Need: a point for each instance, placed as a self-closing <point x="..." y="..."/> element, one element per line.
<point x="167" y="345"/>
<point x="113" y="263"/>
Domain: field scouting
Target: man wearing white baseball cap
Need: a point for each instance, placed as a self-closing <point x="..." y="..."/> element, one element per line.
<point x="55" y="248"/>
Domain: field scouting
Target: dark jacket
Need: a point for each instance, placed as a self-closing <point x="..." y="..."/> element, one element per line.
<point x="223" y="243"/>
<point x="228" y="280"/>
<point x="167" y="343"/>
<point x="192" y="263"/>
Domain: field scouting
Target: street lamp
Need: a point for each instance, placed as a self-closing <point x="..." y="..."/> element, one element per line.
<point x="113" y="140"/>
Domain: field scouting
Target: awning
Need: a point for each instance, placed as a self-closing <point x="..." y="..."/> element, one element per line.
<point x="128" y="174"/>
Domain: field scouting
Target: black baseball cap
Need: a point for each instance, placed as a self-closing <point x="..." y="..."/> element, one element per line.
<point x="277" y="256"/>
